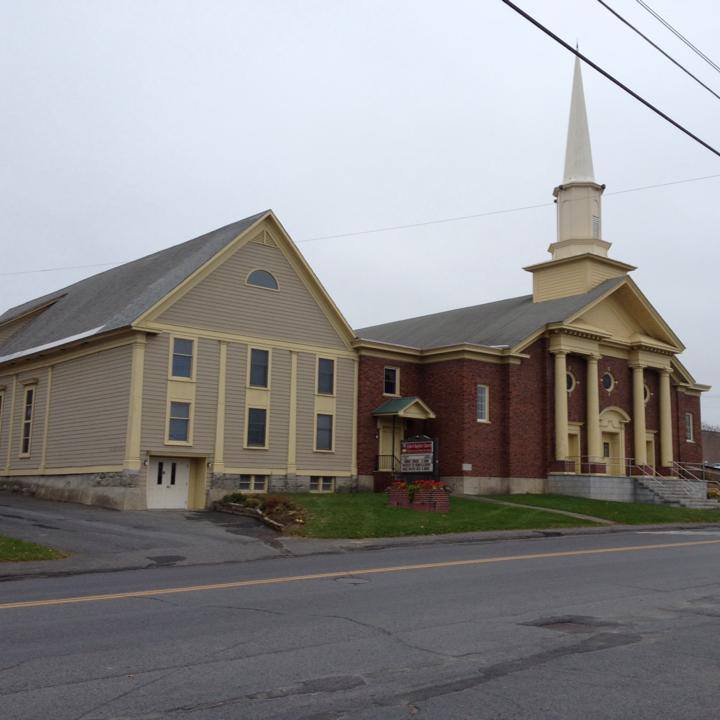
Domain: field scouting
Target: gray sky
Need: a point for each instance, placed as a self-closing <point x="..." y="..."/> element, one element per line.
<point x="131" y="126"/>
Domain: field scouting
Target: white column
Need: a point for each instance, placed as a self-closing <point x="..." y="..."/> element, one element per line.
<point x="562" y="448"/>
<point x="640" y="433"/>
<point x="666" y="445"/>
<point x="594" y="438"/>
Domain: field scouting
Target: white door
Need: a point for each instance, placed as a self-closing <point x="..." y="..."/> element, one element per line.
<point x="168" y="484"/>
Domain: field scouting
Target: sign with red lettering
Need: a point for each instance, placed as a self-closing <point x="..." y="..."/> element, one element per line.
<point x="417" y="456"/>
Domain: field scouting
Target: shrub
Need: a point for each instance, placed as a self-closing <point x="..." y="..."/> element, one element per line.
<point x="253" y="502"/>
<point x="236" y="497"/>
<point x="273" y="503"/>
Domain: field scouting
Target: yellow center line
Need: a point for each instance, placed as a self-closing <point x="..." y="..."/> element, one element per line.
<point x="344" y="573"/>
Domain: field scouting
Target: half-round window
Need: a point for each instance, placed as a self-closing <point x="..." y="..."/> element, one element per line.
<point x="263" y="279"/>
<point x="570" y="381"/>
<point x="608" y="381"/>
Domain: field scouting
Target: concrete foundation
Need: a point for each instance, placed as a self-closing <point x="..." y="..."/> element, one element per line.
<point x="123" y="490"/>
<point x="496" y="485"/>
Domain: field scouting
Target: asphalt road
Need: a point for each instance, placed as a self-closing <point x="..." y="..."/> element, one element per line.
<point x="602" y="626"/>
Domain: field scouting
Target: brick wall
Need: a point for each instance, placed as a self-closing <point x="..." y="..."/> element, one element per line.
<point x="371" y="378"/>
<point x="688" y="452"/>
<point x="527" y="416"/>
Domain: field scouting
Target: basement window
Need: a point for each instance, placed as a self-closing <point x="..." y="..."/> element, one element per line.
<point x="320" y="484"/>
<point x="253" y="483"/>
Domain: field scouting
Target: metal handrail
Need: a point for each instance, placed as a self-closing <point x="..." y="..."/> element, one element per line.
<point x="388" y="463"/>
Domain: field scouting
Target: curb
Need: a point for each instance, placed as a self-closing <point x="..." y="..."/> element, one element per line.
<point x="317" y="546"/>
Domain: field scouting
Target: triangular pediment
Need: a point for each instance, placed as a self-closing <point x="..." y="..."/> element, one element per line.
<point x="220" y="297"/>
<point x="626" y="316"/>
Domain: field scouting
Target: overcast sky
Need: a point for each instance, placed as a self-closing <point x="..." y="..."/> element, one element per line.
<point x="128" y="126"/>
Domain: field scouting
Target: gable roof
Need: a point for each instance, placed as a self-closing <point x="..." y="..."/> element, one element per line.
<point x="113" y="299"/>
<point x="504" y="323"/>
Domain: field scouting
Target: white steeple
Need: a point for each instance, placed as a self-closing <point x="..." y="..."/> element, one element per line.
<point x="578" y="155"/>
<point x="579" y="255"/>
<point x="579" y="196"/>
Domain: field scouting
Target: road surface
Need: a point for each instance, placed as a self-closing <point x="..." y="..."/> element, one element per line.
<point x="624" y="625"/>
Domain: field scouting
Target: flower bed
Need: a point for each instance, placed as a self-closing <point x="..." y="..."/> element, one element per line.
<point x="422" y="495"/>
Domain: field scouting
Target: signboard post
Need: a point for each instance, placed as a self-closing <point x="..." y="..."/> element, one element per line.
<point x="417" y="456"/>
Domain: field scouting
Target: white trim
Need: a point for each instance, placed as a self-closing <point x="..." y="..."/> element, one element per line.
<point x="48" y="346"/>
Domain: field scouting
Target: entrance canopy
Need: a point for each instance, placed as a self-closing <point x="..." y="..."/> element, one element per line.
<point x="406" y="407"/>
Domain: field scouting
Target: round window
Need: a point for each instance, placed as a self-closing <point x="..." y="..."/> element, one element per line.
<point x="646" y="393"/>
<point x="570" y="381"/>
<point x="608" y="381"/>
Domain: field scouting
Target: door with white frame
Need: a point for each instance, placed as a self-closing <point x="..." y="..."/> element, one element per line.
<point x="168" y="483"/>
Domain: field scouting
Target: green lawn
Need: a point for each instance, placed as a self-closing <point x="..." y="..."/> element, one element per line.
<point x="620" y="512"/>
<point x="12" y="550"/>
<point x="366" y="515"/>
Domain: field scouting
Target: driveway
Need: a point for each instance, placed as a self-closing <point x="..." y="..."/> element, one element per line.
<point x="99" y="539"/>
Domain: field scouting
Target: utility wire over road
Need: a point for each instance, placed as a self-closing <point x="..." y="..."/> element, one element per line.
<point x="679" y="35"/>
<point x="610" y="77"/>
<point x="658" y="48"/>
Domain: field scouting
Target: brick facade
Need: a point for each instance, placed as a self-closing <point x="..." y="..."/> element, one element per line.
<point x="518" y="442"/>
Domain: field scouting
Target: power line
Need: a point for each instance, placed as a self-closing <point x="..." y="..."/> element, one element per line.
<point x="679" y="35"/>
<point x="438" y="221"/>
<point x="458" y="218"/>
<point x="610" y="77"/>
<point x="658" y="48"/>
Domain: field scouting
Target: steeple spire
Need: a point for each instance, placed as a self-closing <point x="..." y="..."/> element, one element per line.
<point x="579" y="254"/>
<point x="578" y="155"/>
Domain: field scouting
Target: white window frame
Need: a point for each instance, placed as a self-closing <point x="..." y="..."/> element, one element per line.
<point x="397" y="381"/>
<point x="689" y="427"/>
<point x="486" y="389"/>
<point x="27" y="422"/>
<point x="321" y="482"/>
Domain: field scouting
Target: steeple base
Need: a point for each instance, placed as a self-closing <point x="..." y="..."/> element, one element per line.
<point x="580" y="246"/>
<point x="573" y="275"/>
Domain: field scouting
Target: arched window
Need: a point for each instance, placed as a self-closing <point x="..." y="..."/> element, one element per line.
<point x="262" y="278"/>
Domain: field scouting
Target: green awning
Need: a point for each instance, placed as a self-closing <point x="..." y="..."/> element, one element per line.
<point x="405" y="407"/>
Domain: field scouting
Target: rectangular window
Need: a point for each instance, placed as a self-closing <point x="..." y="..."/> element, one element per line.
<point x="179" y="422"/>
<point x="253" y="483"/>
<point x="257" y="427"/>
<point x="482" y="407"/>
<point x="322" y="484"/>
<point x="2" y="398"/>
<point x="259" y="368"/>
<point x="324" y="432"/>
<point x="392" y="384"/>
<point x="326" y="376"/>
<point x="28" y="407"/>
<point x="689" y="430"/>
<point x="182" y="358"/>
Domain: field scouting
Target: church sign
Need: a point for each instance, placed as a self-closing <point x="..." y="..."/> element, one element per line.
<point x="417" y="455"/>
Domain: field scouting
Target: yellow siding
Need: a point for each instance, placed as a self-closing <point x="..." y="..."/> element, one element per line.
<point x="307" y="458"/>
<point x="89" y="410"/>
<point x="7" y="381"/>
<point x="224" y="302"/>
<point x="276" y="454"/>
<point x="154" y="392"/>
<point x="561" y="281"/>
<point x="206" y="394"/>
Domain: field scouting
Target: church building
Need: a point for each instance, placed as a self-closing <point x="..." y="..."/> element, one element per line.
<point x="222" y="364"/>
<point x="576" y="388"/>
